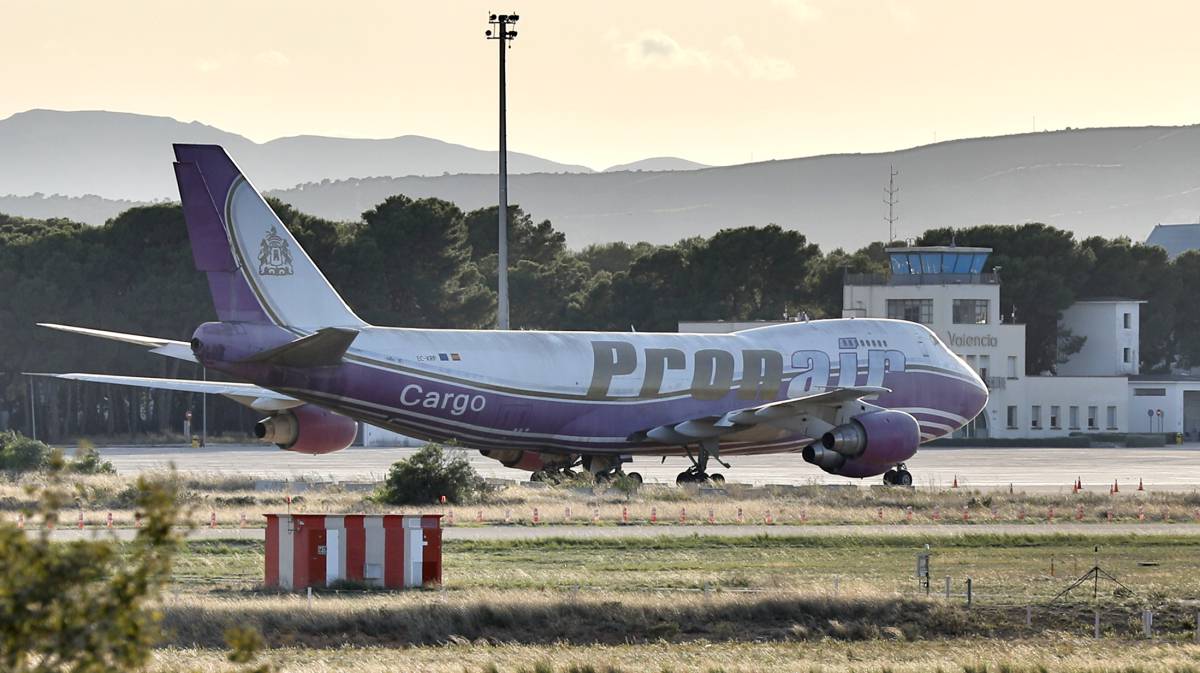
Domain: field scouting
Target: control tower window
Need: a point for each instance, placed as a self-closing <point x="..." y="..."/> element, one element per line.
<point x="970" y="311"/>
<point x="912" y="310"/>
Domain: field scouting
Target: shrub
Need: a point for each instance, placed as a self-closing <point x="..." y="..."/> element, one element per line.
<point x="430" y="473"/>
<point x="88" y="461"/>
<point x="22" y="454"/>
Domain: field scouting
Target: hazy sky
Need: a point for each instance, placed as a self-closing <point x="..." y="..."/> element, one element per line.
<point x="601" y="83"/>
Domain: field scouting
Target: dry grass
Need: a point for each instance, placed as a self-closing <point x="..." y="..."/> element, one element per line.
<point x="1054" y="654"/>
<point x="232" y="499"/>
<point x="613" y="618"/>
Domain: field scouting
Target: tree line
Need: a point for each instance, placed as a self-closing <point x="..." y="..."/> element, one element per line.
<point x="427" y="263"/>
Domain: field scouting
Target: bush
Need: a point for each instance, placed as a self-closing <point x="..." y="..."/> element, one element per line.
<point x="22" y="454"/>
<point x="429" y="474"/>
<point x="88" y="461"/>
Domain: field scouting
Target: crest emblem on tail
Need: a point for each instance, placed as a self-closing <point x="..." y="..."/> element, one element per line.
<point x="274" y="258"/>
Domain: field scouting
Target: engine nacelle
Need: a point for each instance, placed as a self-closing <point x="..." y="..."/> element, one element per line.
<point x="307" y="429"/>
<point x="530" y="461"/>
<point x="869" y="444"/>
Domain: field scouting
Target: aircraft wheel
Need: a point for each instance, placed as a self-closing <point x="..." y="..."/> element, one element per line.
<point x="603" y="477"/>
<point x="903" y="478"/>
<point x="889" y="477"/>
<point x="635" y="477"/>
<point x="538" y="476"/>
<point x="688" y="477"/>
<point x="717" y="479"/>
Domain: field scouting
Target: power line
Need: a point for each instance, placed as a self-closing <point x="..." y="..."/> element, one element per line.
<point x="890" y="199"/>
<point x="500" y="32"/>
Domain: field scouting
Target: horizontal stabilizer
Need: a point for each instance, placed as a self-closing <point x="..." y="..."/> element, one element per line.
<point x="255" y="397"/>
<point x="227" y="388"/>
<point x="325" y="348"/>
<point x="180" y="350"/>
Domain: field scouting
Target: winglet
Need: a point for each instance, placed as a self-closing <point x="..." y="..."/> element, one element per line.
<point x="325" y="348"/>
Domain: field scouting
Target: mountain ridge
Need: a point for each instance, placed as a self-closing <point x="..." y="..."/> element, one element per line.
<point x="120" y="155"/>
<point x="1105" y="181"/>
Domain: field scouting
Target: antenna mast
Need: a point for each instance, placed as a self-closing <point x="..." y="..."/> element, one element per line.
<point x="891" y="201"/>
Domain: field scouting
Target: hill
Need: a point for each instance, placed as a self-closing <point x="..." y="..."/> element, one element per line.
<point x="128" y="156"/>
<point x="657" y="164"/>
<point x="1110" y="182"/>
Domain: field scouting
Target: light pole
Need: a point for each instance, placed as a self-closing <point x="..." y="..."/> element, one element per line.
<point x="32" y="410"/>
<point x="500" y="31"/>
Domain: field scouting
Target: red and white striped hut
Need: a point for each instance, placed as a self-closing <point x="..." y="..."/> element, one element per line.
<point x="387" y="550"/>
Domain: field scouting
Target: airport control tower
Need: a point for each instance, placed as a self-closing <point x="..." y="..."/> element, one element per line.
<point x="950" y="290"/>
<point x="946" y="289"/>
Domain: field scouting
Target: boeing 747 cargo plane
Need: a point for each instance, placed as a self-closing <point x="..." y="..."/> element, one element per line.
<point x="857" y="397"/>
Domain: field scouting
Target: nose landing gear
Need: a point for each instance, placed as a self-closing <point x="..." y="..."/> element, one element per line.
<point x="899" y="476"/>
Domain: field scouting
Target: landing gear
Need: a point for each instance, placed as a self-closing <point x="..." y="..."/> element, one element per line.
<point x="605" y="469"/>
<point x="697" y="474"/>
<point x="898" y="476"/>
<point x="554" y="475"/>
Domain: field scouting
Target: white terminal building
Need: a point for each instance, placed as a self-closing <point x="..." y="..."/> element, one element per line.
<point x="1098" y="389"/>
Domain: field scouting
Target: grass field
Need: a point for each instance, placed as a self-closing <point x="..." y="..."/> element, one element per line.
<point x="771" y="604"/>
<point x="703" y="602"/>
<point x="1004" y="568"/>
<point x="1053" y="654"/>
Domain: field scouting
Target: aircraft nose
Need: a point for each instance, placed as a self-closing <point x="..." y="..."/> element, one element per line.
<point x="975" y="395"/>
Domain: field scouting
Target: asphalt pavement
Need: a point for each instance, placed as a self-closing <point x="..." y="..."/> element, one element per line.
<point x="1168" y="468"/>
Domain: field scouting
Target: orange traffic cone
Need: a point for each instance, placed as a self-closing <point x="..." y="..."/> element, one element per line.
<point x="1116" y="486"/>
<point x="1141" y="487"/>
<point x="955" y="485"/>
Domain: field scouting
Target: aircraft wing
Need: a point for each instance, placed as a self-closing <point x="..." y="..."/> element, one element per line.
<point x="253" y="396"/>
<point x="812" y="414"/>
<point x="180" y="350"/>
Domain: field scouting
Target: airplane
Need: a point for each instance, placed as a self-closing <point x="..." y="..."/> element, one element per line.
<point x="856" y="397"/>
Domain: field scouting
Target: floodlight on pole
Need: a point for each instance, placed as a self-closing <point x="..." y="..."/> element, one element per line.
<point x="501" y="32"/>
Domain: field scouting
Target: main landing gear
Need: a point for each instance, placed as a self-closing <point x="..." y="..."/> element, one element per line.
<point x="697" y="473"/>
<point x="605" y="469"/>
<point x="899" y="476"/>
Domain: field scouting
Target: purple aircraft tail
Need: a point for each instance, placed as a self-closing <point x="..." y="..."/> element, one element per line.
<point x="257" y="272"/>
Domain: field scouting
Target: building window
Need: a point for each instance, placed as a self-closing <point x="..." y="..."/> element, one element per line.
<point x="970" y="311"/>
<point x="1125" y="355"/>
<point x="912" y="310"/>
<point x="1074" y="418"/>
<point x="1054" y="418"/>
<point x="1035" y="418"/>
<point x="1012" y="366"/>
<point x="1012" y="417"/>
<point x="1149" y="392"/>
<point x="1127" y="320"/>
<point x="985" y="366"/>
<point x="1112" y="418"/>
<point x="1092" y="423"/>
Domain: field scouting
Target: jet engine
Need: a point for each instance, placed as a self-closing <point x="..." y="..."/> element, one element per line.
<point x="869" y="444"/>
<point x="307" y="429"/>
<point x="531" y="461"/>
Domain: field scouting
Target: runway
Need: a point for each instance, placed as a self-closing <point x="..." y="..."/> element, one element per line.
<point x="582" y="532"/>
<point x="1170" y="468"/>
